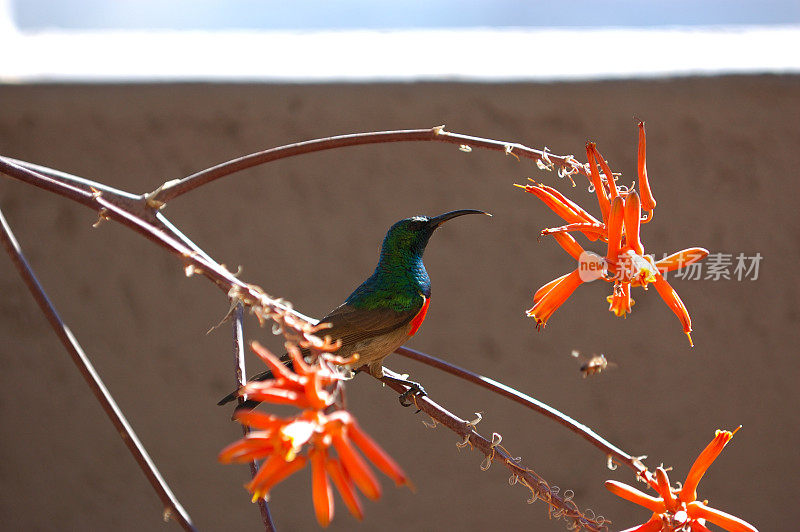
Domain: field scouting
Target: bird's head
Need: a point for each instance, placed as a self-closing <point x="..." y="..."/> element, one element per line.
<point x="410" y="236"/>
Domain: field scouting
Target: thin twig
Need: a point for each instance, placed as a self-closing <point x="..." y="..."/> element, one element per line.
<point x="172" y="508"/>
<point x="241" y="372"/>
<point x="144" y="220"/>
<point x="76" y="181"/>
<point x="137" y="202"/>
<point x="175" y="188"/>
<point x="493" y="451"/>
<point x="612" y="451"/>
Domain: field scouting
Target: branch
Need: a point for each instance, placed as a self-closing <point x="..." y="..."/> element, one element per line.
<point x="613" y="452"/>
<point x="172" y="508"/>
<point x="238" y="350"/>
<point x="78" y="182"/>
<point x="567" y="164"/>
<point x="558" y="506"/>
<point x="138" y="215"/>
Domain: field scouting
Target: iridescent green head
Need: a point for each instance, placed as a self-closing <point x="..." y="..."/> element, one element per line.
<point x="400" y="276"/>
<point x="410" y="236"/>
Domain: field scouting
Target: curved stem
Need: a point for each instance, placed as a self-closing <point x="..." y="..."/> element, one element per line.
<point x="240" y="372"/>
<point x="136" y="215"/>
<point x="135" y="203"/>
<point x="76" y="181"/>
<point x="564" y="507"/>
<point x="173" y="189"/>
<point x="173" y="508"/>
<point x="588" y="434"/>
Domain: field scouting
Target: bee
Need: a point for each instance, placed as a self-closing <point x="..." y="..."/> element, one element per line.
<point x="593" y="365"/>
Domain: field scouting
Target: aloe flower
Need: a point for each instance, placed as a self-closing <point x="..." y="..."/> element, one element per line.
<point x="322" y="434"/>
<point x="678" y="509"/>
<point x="625" y="263"/>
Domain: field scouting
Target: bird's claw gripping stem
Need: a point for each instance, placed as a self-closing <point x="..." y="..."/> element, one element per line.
<point x="415" y="390"/>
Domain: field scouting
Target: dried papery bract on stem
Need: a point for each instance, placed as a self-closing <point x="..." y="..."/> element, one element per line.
<point x="613" y="452"/>
<point x="239" y="374"/>
<point x="558" y="506"/>
<point x="566" y="164"/>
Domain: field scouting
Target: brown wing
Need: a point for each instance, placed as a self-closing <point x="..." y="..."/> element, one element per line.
<point x="353" y="325"/>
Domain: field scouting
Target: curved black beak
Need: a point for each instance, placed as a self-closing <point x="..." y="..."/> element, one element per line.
<point x="436" y="221"/>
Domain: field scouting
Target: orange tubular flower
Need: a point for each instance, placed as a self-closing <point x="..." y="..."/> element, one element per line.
<point x="549" y="302"/>
<point x="620" y="302"/>
<point x="625" y="263"/>
<point x="273" y="471"/>
<point x="614" y="228"/>
<point x="322" y="435"/>
<point x="570" y="211"/>
<point x="681" y="259"/>
<point x="344" y="484"/>
<point x="304" y="387"/>
<point x="675" y="510"/>
<point x="610" y="181"/>
<point x="597" y="184"/>
<point x="570" y="245"/>
<point x="320" y="487"/>
<point x="674" y="302"/>
<point x="540" y="293"/>
<point x="632" y="218"/>
<point x="648" y="202"/>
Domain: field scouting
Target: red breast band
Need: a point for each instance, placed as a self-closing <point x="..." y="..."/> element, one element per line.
<point x="420" y="317"/>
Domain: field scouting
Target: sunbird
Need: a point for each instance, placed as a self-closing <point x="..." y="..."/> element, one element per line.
<point x="389" y="307"/>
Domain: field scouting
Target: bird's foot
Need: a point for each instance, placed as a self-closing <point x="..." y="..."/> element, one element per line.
<point x="408" y="397"/>
<point x="415" y="389"/>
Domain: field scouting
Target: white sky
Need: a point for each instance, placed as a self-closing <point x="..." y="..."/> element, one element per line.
<point x="136" y="52"/>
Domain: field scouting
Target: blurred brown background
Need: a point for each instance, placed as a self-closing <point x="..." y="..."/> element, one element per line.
<point x="723" y="160"/>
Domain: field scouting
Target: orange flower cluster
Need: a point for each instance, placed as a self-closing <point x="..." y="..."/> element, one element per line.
<point x="288" y="444"/>
<point x="625" y="263"/>
<point x="679" y="509"/>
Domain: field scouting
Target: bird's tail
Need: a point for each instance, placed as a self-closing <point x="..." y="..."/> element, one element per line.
<point x="263" y="376"/>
